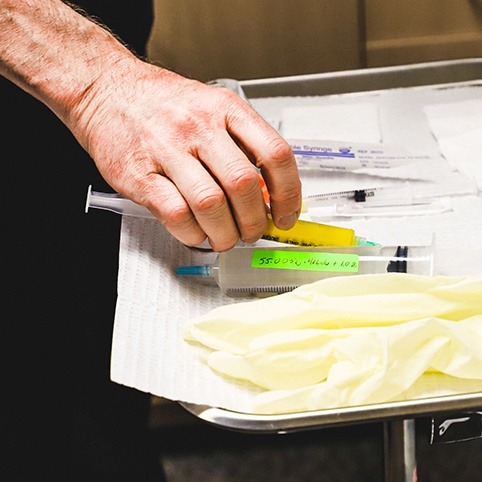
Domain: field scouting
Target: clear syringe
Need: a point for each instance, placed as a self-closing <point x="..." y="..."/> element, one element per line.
<point x="115" y="203"/>
<point x="375" y="196"/>
<point x="243" y="271"/>
<point x="304" y="233"/>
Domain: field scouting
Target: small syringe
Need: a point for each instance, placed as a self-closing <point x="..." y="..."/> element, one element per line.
<point x="243" y="271"/>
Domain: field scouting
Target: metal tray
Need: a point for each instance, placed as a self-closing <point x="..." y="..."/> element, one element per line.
<point x="365" y="80"/>
<point x="355" y="81"/>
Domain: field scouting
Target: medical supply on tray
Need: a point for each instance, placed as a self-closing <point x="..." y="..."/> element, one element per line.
<point x="307" y="233"/>
<point x="243" y="271"/>
<point x="439" y="206"/>
<point x="349" y="156"/>
<point x="375" y="196"/>
<point x="116" y="203"/>
<point x="348" y="342"/>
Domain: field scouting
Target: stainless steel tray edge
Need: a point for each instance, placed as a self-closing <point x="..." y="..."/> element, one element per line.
<point x="242" y="422"/>
<point x="365" y="80"/>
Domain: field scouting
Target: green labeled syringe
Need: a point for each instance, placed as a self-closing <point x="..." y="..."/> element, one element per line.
<point x="243" y="271"/>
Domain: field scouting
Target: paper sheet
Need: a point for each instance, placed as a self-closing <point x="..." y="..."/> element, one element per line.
<point x="352" y="122"/>
<point x="149" y="352"/>
<point x="457" y="127"/>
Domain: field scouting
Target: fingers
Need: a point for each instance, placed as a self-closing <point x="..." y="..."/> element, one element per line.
<point x="215" y="189"/>
<point x="220" y="199"/>
<point x="273" y="155"/>
<point x="208" y="204"/>
<point x="240" y="183"/>
<point x="164" y="200"/>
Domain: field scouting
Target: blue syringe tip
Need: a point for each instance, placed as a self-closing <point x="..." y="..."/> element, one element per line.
<point x="202" y="270"/>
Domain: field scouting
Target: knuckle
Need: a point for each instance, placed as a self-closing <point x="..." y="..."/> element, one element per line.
<point x="195" y="239"/>
<point x="178" y="216"/>
<point x="224" y="244"/>
<point x="182" y="224"/>
<point x="290" y="194"/>
<point x="190" y="121"/>
<point x="242" y="179"/>
<point x="251" y="232"/>
<point x="281" y="152"/>
<point x="208" y="199"/>
<point x="293" y="189"/>
<point x="226" y="99"/>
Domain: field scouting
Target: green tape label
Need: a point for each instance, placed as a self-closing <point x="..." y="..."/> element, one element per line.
<point x="304" y="260"/>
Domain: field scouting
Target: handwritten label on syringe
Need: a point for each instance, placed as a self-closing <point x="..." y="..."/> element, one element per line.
<point x="305" y="260"/>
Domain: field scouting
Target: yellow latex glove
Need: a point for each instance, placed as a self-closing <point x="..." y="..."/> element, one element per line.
<point x="347" y="341"/>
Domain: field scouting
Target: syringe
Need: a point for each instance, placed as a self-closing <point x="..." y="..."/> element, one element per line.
<point x="116" y="203"/>
<point x="242" y="271"/>
<point x="394" y="195"/>
<point x="304" y="233"/>
<point x="375" y="196"/>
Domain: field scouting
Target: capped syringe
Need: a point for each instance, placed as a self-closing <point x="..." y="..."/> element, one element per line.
<point x="242" y="271"/>
<point x="375" y="196"/>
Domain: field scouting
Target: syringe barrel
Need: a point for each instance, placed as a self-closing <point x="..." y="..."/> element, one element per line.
<point x="245" y="270"/>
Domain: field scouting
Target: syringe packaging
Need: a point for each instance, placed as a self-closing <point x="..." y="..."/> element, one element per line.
<point x="243" y="271"/>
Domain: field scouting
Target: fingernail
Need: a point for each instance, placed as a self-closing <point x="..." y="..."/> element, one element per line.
<point x="287" y="222"/>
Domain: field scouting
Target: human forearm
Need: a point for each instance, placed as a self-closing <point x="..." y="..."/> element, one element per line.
<point x="54" y="53"/>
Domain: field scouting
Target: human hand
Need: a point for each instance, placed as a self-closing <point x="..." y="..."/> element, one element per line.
<point x="188" y="151"/>
<point x="185" y="150"/>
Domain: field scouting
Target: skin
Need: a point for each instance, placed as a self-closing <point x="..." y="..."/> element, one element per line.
<point x="186" y="150"/>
